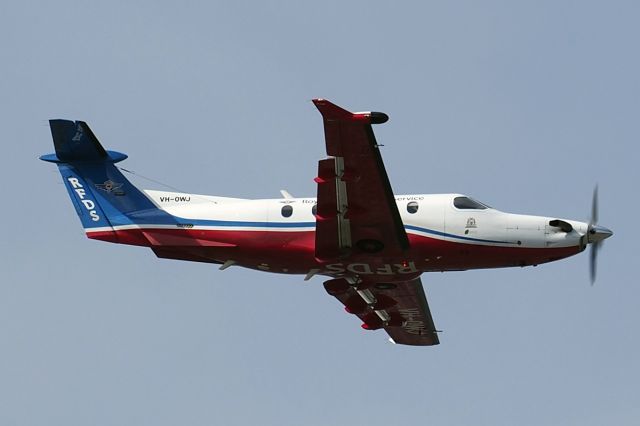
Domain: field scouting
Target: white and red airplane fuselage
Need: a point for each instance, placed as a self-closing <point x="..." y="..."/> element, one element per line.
<point x="256" y="234"/>
<point x="372" y="244"/>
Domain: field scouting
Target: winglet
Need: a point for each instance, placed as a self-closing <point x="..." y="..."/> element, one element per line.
<point x="332" y="112"/>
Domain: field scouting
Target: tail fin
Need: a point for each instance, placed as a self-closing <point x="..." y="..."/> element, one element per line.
<point x="103" y="198"/>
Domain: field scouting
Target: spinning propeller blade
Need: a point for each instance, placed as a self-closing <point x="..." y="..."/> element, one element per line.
<point x="595" y="235"/>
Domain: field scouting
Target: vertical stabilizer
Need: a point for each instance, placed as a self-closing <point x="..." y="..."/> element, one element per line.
<point x="103" y="198"/>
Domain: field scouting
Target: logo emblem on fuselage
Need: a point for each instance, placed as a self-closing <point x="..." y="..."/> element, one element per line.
<point x="471" y="223"/>
<point x="110" y="187"/>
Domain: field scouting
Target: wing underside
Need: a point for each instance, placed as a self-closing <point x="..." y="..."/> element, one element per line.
<point x="358" y="221"/>
<point x="400" y="308"/>
<point x="357" y="213"/>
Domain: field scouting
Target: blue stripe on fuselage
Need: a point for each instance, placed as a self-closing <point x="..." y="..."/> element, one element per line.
<point x="129" y="220"/>
<point x="445" y="234"/>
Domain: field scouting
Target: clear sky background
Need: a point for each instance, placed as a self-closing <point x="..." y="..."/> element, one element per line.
<point x="523" y="105"/>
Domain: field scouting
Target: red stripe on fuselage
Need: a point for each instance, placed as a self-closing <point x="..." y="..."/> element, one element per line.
<point x="294" y="251"/>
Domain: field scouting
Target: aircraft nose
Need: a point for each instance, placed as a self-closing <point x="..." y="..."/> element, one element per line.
<point x="598" y="233"/>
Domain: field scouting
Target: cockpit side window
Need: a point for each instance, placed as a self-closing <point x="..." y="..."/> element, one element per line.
<point x="466" y="203"/>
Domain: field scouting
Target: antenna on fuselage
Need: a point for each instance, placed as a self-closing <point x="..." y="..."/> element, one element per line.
<point x="286" y="195"/>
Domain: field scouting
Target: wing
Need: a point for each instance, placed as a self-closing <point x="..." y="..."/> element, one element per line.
<point x="400" y="308"/>
<point x="357" y="218"/>
<point x="356" y="213"/>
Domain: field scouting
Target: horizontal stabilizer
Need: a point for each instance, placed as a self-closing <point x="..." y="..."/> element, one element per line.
<point x="75" y="142"/>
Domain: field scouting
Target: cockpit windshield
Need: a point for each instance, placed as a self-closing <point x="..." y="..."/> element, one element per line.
<point x="466" y="203"/>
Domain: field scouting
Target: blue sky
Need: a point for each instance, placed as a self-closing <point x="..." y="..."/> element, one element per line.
<point x="524" y="106"/>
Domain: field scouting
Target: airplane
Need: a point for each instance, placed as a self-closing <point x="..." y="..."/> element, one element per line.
<point x="371" y="245"/>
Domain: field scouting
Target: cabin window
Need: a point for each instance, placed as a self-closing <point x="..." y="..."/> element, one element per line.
<point x="314" y="210"/>
<point x="412" y="207"/>
<point x="466" y="203"/>
<point x="286" y="211"/>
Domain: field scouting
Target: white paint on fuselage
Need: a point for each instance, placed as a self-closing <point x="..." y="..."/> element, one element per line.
<point x="436" y="217"/>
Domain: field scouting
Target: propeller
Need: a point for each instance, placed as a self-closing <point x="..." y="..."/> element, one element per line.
<point x="595" y="236"/>
<point x="593" y="256"/>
